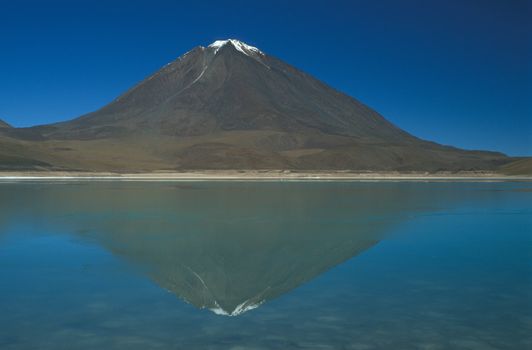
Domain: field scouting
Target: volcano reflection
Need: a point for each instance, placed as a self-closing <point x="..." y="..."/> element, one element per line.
<point x="228" y="247"/>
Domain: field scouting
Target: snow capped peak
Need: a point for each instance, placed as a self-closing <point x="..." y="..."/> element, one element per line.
<point x="237" y="44"/>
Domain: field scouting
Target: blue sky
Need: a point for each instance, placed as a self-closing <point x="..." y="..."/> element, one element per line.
<point x="455" y="72"/>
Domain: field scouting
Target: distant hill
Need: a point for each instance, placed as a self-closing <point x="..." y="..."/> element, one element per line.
<point x="3" y="124"/>
<point x="518" y="167"/>
<point x="231" y="106"/>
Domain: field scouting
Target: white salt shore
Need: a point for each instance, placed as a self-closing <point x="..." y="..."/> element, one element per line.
<point x="257" y="175"/>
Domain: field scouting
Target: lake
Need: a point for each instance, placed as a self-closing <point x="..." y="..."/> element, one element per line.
<point x="265" y="265"/>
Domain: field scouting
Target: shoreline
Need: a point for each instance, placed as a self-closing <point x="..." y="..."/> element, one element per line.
<point x="267" y="175"/>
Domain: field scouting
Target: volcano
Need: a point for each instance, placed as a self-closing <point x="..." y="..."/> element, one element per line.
<point x="231" y="106"/>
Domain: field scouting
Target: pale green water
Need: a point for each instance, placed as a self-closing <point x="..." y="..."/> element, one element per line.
<point x="375" y="265"/>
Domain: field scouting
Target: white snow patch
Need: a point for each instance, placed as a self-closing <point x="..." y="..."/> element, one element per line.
<point x="240" y="309"/>
<point x="239" y="45"/>
<point x="199" y="76"/>
<point x="198" y="276"/>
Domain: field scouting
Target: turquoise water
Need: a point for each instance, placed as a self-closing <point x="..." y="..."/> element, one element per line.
<point x="279" y="265"/>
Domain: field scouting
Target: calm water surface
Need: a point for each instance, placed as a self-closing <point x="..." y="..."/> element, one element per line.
<point x="286" y="265"/>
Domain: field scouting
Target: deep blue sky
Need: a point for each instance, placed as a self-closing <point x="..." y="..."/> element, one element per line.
<point x="456" y="72"/>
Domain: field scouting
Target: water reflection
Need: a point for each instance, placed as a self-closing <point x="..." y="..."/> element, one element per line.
<point x="225" y="247"/>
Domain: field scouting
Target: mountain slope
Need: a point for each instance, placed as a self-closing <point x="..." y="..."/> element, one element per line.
<point x="231" y="106"/>
<point x="4" y="125"/>
<point x="521" y="166"/>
